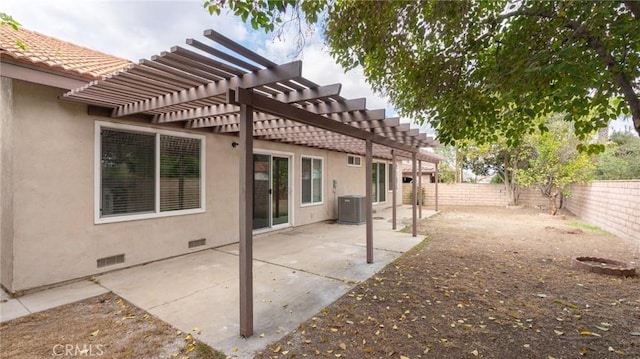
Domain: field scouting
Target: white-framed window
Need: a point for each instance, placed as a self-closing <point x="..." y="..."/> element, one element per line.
<point x="312" y="175"/>
<point x="354" y="161"/>
<point x="143" y="172"/>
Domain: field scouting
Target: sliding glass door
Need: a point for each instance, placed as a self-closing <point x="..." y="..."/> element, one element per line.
<point x="270" y="191"/>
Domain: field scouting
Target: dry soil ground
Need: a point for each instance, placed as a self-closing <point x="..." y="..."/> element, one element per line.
<point x="486" y="283"/>
<point x="101" y="327"/>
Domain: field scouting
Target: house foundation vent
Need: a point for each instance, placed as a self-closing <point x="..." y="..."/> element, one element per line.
<point x="109" y="261"/>
<point x="197" y="243"/>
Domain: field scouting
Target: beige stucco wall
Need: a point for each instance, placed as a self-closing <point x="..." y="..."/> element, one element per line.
<point x="54" y="235"/>
<point x="6" y="181"/>
<point x="55" y="238"/>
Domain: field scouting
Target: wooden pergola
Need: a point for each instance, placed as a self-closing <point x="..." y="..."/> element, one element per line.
<point x="229" y="89"/>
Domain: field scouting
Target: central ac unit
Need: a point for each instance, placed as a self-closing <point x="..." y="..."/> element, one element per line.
<point x="351" y="209"/>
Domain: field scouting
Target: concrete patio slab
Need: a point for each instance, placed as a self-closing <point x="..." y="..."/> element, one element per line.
<point x="50" y="298"/>
<point x="12" y="309"/>
<point x="296" y="273"/>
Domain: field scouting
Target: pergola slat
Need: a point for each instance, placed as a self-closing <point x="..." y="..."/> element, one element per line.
<point x="265" y="76"/>
<point x="238" y="49"/>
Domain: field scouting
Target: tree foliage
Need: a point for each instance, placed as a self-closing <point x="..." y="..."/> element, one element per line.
<point x="8" y="20"/>
<point x="555" y="161"/>
<point x="621" y="159"/>
<point x="500" y="159"/>
<point x="482" y="69"/>
<point x="447" y="170"/>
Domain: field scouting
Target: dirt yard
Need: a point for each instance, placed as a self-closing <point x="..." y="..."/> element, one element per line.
<point x="101" y="327"/>
<point x="487" y="283"/>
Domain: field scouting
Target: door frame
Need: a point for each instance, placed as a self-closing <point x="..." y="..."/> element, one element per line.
<point x="290" y="156"/>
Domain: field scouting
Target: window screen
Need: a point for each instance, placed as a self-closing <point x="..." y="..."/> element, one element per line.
<point x="127" y="172"/>
<point x="148" y="173"/>
<point x="179" y="173"/>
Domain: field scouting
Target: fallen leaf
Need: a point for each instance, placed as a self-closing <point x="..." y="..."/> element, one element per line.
<point x="542" y="295"/>
<point x="93" y="334"/>
<point x="343" y="346"/>
<point x="584" y="351"/>
<point x="475" y="353"/>
<point x="527" y="346"/>
<point x="604" y="329"/>
<point x="558" y="332"/>
<point x="403" y="357"/>
<point x="334" y="329"/>
<point x="234" y="349"/>
<point x="261" y="335"/>
<point x="637" y="334"/>
<point x="586" y="333"/>
<point x="277" y="349"/>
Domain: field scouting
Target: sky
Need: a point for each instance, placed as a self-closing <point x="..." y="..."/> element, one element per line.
<point x="140" y="29"/>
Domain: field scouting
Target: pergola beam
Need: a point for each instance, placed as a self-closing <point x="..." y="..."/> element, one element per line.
<point x="276" y="108"/>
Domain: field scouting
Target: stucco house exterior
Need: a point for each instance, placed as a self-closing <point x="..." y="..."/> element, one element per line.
<point x="84" y="191"/>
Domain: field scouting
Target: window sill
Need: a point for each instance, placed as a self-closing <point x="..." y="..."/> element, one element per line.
<point x="142" y="216"/>
<point x="311" y="204"/>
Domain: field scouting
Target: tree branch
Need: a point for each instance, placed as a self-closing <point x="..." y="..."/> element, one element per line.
<point x="634" y="7"/>
<point x="620" y="78"/>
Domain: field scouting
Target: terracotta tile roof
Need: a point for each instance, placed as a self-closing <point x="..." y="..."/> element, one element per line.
<point x="57" y="55"/>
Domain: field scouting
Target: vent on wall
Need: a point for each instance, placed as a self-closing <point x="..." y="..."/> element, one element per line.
<point x="109" y="261"/>
<point x="197" y="243"/>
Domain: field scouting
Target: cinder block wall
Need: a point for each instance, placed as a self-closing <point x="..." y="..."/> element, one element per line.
<point x="611" y="205"/>
<point x="472" y="194"/>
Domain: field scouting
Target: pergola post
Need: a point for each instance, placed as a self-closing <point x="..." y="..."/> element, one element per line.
<point x="246" y="220"/>
<point x="436" y="194"/>
<point x="368" y="200"/>
<point x="421" y="198"/>
<point x="414" y="220"/>
<point x="394" y="185"/>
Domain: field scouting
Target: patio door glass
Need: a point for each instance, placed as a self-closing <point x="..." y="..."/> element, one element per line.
<point x="270" y="191"/>
<point x="378" y="179"/>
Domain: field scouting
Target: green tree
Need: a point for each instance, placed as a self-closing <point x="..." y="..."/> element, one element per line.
<point x="500" y="159"/>
<point x="621" y="158"/>
<point x="8" y="20"/>
<point x="480" y="69"/>
<point x="555" y="161"/>
<point x="448" y="171"/>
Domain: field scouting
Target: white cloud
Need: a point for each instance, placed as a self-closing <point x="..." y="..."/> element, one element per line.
<point x="319" y="67"/>
<point x="129" y="29"/>
<point x="141" y="29"/>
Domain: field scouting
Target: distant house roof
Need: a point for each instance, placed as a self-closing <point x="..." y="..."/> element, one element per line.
<point x="427" y="167"/>
<point x="57" y="55"/>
